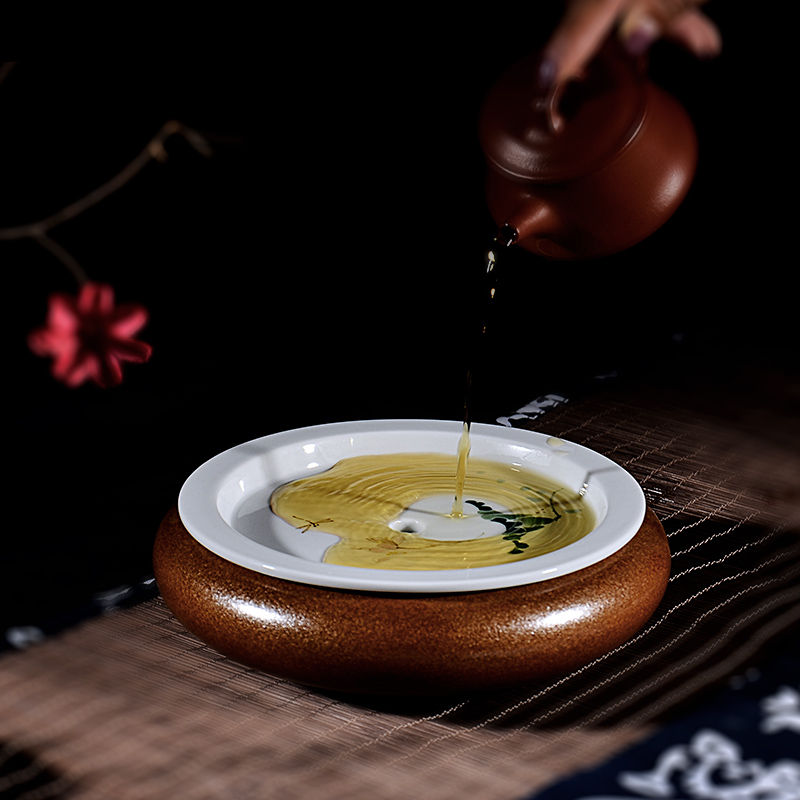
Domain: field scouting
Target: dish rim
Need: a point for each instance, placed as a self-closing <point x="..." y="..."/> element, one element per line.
<point x="199" y="506"/>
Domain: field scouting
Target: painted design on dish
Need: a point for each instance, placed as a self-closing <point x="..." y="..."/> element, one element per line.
<point x="517" y="525"/>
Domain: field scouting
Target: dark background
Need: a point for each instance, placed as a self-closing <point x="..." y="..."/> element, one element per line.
<point x="323" y="264"/>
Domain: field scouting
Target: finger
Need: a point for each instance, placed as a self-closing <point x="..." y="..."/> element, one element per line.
<point x="697" y="33"/>
<point x="577" y="38"/>
<point x="641" y="24"/>
<point x="679" y="20"/>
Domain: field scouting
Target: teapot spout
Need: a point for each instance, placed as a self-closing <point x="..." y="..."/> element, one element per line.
<point x="531" y="226"/>
<point x="507" y="235"/>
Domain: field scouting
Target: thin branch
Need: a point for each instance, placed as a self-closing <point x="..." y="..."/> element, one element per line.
<point x="153" y="150"/>
<point x="6" y="67"/>
<point x="63" y="256"/>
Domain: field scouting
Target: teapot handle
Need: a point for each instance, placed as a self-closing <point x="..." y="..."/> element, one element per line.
<point x="552" y="101"/>
<point x="551" y="105"/>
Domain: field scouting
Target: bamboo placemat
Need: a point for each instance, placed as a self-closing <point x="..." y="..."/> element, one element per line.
<point x="131" y="705"/>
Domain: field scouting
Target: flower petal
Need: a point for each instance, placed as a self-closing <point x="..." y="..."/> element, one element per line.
<point x="95" y="298"/>
<point x="62" y="313"/>
<point x="107" y="371"/>
<point x="88" y="338"/>
<point x="128" y="319"/>
<point x="72" y="369"/>
<point x="131" y="350"/>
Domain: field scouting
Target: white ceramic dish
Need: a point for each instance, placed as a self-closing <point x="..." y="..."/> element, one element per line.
<point x="224" y="504"/>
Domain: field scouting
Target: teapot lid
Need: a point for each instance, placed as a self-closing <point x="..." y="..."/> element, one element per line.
<point x="571" y="131"/>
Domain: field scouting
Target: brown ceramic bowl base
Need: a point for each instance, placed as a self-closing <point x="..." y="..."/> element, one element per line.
<point x="423" y="644"/>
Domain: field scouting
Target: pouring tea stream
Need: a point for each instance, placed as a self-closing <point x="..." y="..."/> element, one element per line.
<point x="588" y="169"/>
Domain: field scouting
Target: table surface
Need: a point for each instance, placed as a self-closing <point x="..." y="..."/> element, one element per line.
<point x="132" y="705"/>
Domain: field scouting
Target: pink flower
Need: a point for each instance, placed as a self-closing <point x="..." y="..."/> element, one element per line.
<point x="88" y="337"/>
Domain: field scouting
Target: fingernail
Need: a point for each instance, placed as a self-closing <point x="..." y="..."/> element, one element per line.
<point x="546" y="73"/>
<point x="643" y="35"/>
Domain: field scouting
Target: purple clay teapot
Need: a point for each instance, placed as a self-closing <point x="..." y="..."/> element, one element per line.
<point x="591" y="167"/>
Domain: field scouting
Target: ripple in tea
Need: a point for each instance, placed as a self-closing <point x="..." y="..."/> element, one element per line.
<point x="396" y="511"/>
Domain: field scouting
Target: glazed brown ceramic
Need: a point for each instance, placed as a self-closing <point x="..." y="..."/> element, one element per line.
<point x="591" y="168"/>
<point x="375" y="643"/>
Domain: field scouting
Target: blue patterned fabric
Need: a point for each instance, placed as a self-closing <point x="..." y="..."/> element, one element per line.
<point x="742" y="744"/>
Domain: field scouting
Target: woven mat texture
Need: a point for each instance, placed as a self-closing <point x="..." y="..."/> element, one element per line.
<point x="131" y="705"/>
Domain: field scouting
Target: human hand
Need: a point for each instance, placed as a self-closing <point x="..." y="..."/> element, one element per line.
<point x="638" y="23"/>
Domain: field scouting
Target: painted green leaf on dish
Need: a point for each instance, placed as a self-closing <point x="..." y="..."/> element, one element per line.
<point x="516" y="525"/>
